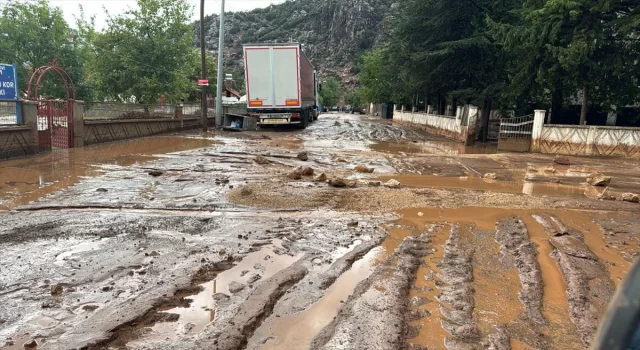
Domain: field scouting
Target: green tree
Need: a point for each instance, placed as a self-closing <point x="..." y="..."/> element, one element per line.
<point x="331" y="92"/>
<point x="195" y="92"/>
<point x="375" y="86"/>
<point x="146" y="53"/>
<point x="355" y="98"/>
<point x="34" y="35"/>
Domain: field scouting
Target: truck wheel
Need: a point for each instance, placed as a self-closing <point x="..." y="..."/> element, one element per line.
<point x="304" y="121"/>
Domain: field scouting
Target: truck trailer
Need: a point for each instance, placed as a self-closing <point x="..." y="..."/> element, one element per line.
<point x="281" y="85"/>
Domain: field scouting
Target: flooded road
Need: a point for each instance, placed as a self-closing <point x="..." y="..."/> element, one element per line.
<point x="354" y="233"/>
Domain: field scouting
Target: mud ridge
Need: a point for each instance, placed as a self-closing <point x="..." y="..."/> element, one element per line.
<point x="130" y="330"/>
<point x="375" y="316"/>
<point x="514" y="241"/>
<point x="457" y="299"/>
<point x="258" y="306"/>
<point x="589" y="286"/>
<point x="346" y="261"/>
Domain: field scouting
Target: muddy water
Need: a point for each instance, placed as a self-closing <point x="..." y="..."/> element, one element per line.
<point x="18" y="343"/>
<point x="201" y="310"/>
<point x="476" y="183"/>
<point x="26" y="179"/>
<point x="296" y="331"/>
<point x="495" y="303"/>
<point x="432" y="147"/>
<point x="431" y="335"/>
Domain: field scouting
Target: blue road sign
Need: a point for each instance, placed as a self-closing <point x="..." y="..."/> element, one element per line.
<point x="8" y="82"/>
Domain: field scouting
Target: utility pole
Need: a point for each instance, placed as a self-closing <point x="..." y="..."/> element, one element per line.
<point x="203" y="106"/>
<point x="220" y="69"/>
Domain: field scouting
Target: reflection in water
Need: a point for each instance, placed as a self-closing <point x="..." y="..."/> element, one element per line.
<point x="26" y="179"/>
<point x="433" y="147"/>
<point x="475" y="183"/>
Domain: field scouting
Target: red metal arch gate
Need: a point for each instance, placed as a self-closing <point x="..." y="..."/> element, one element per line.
<point x="55" y="124"/>
<point x="55" y="117"/>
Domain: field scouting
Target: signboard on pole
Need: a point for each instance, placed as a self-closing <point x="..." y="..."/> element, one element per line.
<point x="203" y="82"/>
<point x="8" y="82"/>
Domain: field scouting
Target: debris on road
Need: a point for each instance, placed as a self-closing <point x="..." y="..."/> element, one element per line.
<point x="155" y="173"/>
<point x="598" y="179"/>
<point x="261" y="160"/>
<point x="392" y="183"/>
<point x="235" y="287"/>
<point x="56" y="289"/>
<point x="490" y="176"/>
<point x="246" y="191"/>
<point x="338" y="182"/>
<point x="562" y="160"/>
<point x="629" y="197"/>
<point x="363" y="169"/>
<point x="320" y="178"/>
<point x="304" y="156"/>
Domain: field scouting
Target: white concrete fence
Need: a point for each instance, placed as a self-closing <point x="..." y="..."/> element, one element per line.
<point x="584" y="140"/>
<point x="455" y="127"/>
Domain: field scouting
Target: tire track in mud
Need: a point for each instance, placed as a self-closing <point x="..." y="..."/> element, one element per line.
<point x="457" y="299"/>
<point x="589" y="287"/>
<point x="374" y="316"/>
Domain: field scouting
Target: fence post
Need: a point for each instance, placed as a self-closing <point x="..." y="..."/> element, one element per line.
<point x="78" y="123"/>
<point x="591" y="140"/>
<point x="536" y="131"/>
<point x="177" y="114"/>
<point x="29" y="111"/>
<point x="470" y="133"/>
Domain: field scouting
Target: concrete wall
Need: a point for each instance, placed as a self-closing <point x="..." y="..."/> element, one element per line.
<point x="584" y="140"/>
<point x="114" y="130"/>
<point x="16" y="141"/>
<point x="450" y="127"/>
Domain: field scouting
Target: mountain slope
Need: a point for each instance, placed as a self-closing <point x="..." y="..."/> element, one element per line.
<point x="334" y="32"/>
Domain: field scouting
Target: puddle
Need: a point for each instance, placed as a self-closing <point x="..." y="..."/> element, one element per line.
<point x="494" y="304"/>
<point x="18" y="342"/>
<point x="29" y="178"/>
<point x="431" y="335"/>
<point x="432" y="147"/>
<point x="476" y="183"/>
<point x="80" y="248"/>
<point x="200" y="312"/>
<point x="292" y="144"/>
<point x="297" y="331"/>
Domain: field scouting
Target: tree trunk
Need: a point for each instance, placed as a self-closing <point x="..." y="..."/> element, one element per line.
<point x="454" y="106"/>
<point x="585" y="106"/>
<point x="484" y="125"/>
<point x="556" y="105"/>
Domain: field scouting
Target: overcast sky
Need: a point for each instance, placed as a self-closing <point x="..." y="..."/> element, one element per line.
<point x="94" y="7"/>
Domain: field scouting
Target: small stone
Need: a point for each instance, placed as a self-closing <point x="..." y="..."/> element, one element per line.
<point x="107" y="288"/>
<point x="352" y="224"/>
<point x="90" y="308"/>
<point x="420" y="213"/>
<point x="306" y="171"/>
<point x="101" y="190"/>
<point x="30" y="345"/>
<point x="254" y="278"/>
<point x="554" y="180"/>
<point x="222" y="251"/>
<point x="295" y="175"/>
<point x="244" y="272"/>
<point x="363" y="169"/>
<point x="338" y="182"/>
<point x="375" y="183"/>
<point x="56" y="289"/>
<point x="155" y="173"/>
<point x="246" y="191"/>
<point x="550" y="170"/>
<point x="598" y="179"/>
<point x="490" y="176"/>
<point x="261" y="160"/>
<point x="393" y="183"/>
<point x="235" y="287"/>
<point x="321" y="178"/>
<point x="304" y="156"/>
<point x="562" y="160"/>
<point x="341" y="160"/>
<point x="629" y="197"/>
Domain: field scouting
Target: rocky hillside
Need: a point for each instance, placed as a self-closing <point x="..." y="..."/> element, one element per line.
<point x="334" y="32"/>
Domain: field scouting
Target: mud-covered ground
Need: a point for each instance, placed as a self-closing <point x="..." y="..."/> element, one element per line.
<point x="289" y="239"/>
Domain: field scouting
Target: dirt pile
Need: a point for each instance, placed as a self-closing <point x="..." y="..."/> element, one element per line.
<point x="598" y="179"/>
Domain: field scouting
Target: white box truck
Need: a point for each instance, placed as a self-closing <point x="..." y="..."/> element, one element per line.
<point x="281" y="85"/>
